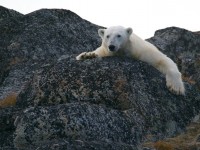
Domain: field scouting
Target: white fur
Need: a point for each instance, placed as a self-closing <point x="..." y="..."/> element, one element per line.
<point x="118" y="40"/>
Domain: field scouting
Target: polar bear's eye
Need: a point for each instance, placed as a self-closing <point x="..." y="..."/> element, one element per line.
<point x="107" y="36"/>
<point x="118" y="35"/>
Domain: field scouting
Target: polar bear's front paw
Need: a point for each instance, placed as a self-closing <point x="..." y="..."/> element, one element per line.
<point x="86" y="55"/>
<point x="176" y="86"/>
<point x="81" y="56"/>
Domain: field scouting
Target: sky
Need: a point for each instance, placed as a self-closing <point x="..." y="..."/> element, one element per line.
<point x="144" y="16"/>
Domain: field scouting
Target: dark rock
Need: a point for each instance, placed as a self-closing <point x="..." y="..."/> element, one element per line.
<point x="198" y="138"/>
<point x="75" y="121"/>
<point x="109" y="103"/>
<point x="36" y="40"/>
<point x="8" y="13"/>
<point x="67" y="144"/>
<point x="148" y="109"/>
<point x="8" y="28"/>
<point x="7" y="118"/>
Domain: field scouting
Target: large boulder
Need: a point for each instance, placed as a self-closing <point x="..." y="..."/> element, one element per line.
<point x="108" y="103"/>
<point x="33" y="41"/>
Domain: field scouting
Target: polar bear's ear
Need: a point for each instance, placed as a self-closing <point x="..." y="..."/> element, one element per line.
<point x="129" y="31"/>
<point x="101" y="32"/>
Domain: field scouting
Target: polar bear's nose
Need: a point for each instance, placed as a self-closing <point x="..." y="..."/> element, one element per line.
<point x="111" y="47"/>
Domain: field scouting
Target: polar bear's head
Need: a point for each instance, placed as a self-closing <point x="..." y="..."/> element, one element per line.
<point x="115" y="38"/>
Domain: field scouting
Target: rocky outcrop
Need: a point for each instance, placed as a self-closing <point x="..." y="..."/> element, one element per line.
<point x="108" y="103"/>
<point x="31" y="42"/>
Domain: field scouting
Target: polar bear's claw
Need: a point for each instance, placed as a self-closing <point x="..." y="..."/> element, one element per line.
<point x="176" y="87"/>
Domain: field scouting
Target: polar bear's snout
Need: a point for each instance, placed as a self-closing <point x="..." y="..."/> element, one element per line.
<point x="112" y="48"/>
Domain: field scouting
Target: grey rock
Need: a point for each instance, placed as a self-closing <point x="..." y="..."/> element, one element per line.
<point x="74" y="121"/>
<point x="30" y="42"/>
<point x="148" y="106"/>
<point x="7" y="118"/>
<point x="8" y="13"/>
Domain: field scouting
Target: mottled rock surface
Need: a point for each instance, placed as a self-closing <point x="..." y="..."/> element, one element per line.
<point x="34" y="41"/>
<point x="108" y="103"/>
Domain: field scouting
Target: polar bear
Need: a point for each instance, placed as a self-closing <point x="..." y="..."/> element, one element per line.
<point x="121" y="41"/>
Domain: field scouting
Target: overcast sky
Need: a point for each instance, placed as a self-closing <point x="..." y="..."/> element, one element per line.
<point x="144" y="16"/>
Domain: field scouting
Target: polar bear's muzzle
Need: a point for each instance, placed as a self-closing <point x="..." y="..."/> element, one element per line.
<point x="112" y="48"/>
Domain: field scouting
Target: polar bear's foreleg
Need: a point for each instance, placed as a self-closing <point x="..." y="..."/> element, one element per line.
<point x="173" y="76"/>
<point x="99" y="52"/>
<point x="165" y="65"/>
